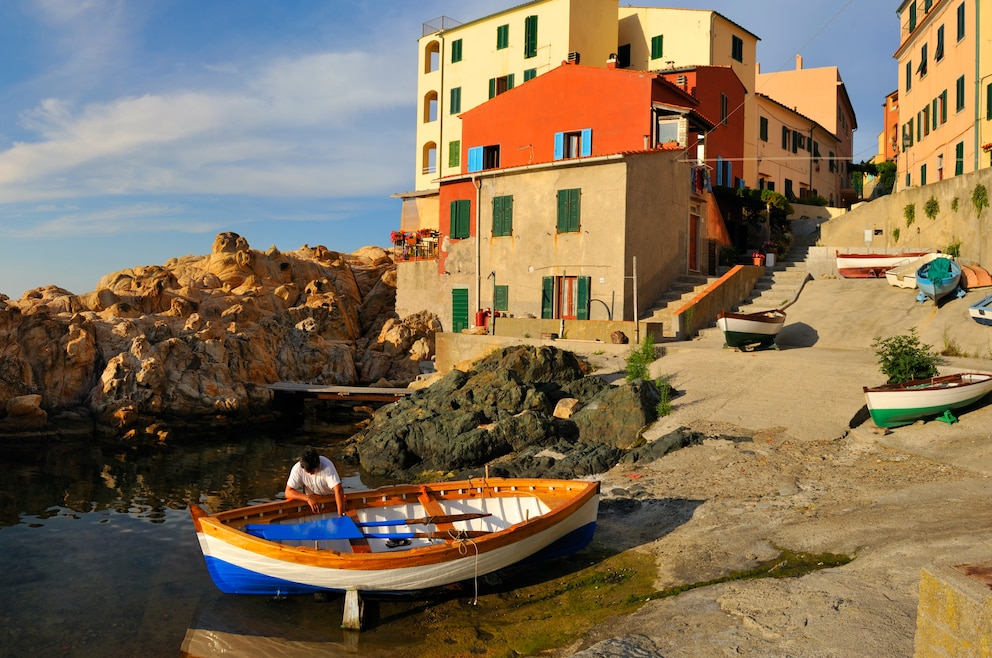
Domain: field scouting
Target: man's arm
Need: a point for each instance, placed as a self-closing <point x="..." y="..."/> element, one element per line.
<point x="339" y="498"/>
<point x="293" y="494"/>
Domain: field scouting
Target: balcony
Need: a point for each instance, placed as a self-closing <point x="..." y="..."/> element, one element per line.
<point x="415" y="245"/>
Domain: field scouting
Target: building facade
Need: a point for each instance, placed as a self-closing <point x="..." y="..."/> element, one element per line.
<point x="945" y="90"/>
<point x="820" y="94"/>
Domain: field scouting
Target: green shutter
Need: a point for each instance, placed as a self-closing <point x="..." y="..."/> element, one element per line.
<point x="502" y="37"/>
<point x="934" y="121"/>
<point x="548" y="297"/>
<point x="568" y="211"/>
<point x="492" y="87"/>
<point x="459" y="214"/>
<point x="530" y="37"/>
<point x="959" y="159"/>
<point x="502" y="216"/>
<point x="501" y="298"/>
<point x="529" y="74"/>
<point x="454" y="153"/>
<point x="459" y="309"/>
<point x="657" y="46"/>
<point x="943" y="106"/>
<point x="456" y="51"/>
<point x="509" y="81"/>
<point x="582" y="301"/>
<point x="455" y="106"/>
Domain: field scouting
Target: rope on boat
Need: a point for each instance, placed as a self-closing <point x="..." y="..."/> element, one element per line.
<point x="461" y="540"/>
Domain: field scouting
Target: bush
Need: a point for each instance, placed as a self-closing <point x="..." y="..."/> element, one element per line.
<point x="639" y="359"/>
<point x="902" y="358"/>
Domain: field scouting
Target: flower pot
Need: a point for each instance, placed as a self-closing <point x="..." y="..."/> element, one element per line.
<point x="759" y="259"/>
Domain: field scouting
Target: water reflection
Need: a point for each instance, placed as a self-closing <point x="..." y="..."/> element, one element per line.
<point x="100" y="553"/>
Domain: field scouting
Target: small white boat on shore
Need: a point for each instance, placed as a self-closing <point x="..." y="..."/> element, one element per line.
<point x="872" y="266"/>
<point x="743" y="330"/>
<point x="904" y="276"/>
<point x="892" y="405"/>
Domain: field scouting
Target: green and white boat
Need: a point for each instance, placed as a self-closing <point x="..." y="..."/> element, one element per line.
<point x="892" y="405"/>
<point x="742" y="330"/>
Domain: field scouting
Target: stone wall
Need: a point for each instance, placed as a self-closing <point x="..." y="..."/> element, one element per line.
<point x="954" y="616"/>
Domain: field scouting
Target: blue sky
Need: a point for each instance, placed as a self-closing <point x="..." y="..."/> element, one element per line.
<point x="134" y="132"/>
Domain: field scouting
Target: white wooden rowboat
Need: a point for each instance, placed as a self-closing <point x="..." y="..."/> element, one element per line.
<point x="396" y="539"/>
<point x="741" y="330"/>
<point x="872" y="266"/>
<point x="904" y="276"/>
<point x="891" y="405"/>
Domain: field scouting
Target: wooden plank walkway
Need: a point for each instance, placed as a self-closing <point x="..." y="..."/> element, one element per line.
<point x="355" y="393"/>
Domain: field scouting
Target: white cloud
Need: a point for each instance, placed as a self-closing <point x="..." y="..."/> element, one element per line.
<point x="287" y="130"/>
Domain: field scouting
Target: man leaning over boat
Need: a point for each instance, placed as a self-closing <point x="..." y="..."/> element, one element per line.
<point x="312" y="476"/>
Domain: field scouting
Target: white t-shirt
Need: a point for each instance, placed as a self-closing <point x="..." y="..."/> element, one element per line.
<point x="321" y="483"/>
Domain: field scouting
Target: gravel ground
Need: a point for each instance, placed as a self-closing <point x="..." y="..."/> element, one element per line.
<point x="898" y="501"/>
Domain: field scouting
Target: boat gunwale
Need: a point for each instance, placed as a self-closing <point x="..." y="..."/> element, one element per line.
<point x="219" y="526"/>
<point x="924" y="384"/>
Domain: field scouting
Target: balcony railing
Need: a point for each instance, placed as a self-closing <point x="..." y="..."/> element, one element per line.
<point x="416" y="245"/>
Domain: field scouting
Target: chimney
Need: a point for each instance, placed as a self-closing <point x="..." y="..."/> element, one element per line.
<point x="799" y="62"/>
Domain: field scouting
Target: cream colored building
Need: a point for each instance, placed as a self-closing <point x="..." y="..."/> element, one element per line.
<point x="820" y="94"/>
<point x="652" y="38"/>
<point x="796" y="155"/>
<point x="463" y="65"/>
<point x="945" y="89"/>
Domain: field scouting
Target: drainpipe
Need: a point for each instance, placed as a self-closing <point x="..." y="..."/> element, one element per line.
<point x="478" y="243"/>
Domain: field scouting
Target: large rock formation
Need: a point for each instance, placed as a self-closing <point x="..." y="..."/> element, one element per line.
<point x="196" y="340"/>
<point x="522" y="412"/>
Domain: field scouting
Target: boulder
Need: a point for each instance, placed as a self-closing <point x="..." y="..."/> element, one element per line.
<point x="195" y="341"/>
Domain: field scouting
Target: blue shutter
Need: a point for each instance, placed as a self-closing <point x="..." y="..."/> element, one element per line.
<point x="475" y="159"/>
<point x="586" y="142"/>
<point x="729" y="176"/>
<point x="559" y="146"/>
<point x="719" y="171"/>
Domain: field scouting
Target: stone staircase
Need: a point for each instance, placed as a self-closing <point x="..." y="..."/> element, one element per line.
<point x="681" y="292"/>
<point x="775" y="288"/>
<point x="779" y="284"/>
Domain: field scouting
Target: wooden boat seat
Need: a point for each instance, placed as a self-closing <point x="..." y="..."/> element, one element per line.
<point x="433" y="508"/>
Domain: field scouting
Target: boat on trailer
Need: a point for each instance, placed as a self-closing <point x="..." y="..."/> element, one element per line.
<point x="892" y="405"/>
<point x="403" y="538"/>
<point x="744" y="330"/>
<point x="872" y="266"/>
<point x="981" y="311"/>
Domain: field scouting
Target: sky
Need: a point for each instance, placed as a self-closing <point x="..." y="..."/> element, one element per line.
<point x="135" y="132"/>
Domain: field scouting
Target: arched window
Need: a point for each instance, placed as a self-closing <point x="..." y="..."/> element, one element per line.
<point x="429" y="165"/>
<point x="432" y="56"/>
<point x="430" y="106"/>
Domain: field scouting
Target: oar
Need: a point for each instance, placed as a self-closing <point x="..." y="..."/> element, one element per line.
<point x="453" y="534"/>
<point x="427" y="520"/>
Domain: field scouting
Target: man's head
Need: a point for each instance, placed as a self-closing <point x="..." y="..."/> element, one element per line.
<point x="310" y="460"/>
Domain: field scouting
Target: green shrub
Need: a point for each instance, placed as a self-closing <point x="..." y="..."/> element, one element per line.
<point x="639" y="359"/>
<point x="909" y="212"/>
<point x="895" y="234"/>
<point x="980" y="199"/>
<point x="902" y="358"/>
<point x="665" y="392"/>
<point x="931" y="207"/>
<point x="954" y="249"/>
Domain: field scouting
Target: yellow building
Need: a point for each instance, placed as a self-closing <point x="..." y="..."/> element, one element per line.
<point x="461" y="65"/>
<point x="651" y="39"/>
<point x="796" y="155"/>
<point x="819" y="94"/>
<point x="945" y="90"/>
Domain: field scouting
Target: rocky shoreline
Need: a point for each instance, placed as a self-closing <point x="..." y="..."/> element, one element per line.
<point x="191" y="345"/>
